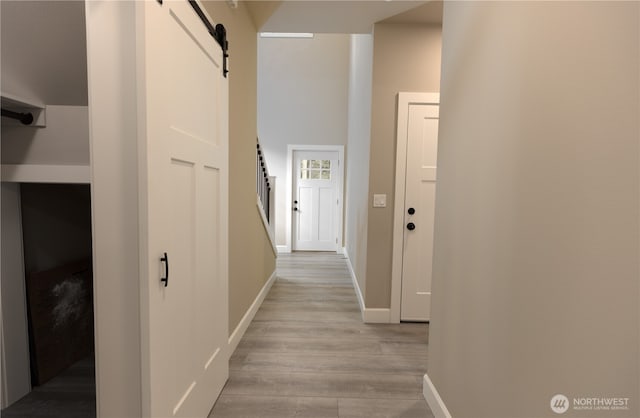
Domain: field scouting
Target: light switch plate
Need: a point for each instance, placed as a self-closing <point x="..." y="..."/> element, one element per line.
<point x="379" y="200"/>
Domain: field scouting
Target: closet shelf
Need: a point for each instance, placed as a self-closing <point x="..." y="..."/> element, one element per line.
<point x="19" y="105"/>
<point x="41" y="173"/>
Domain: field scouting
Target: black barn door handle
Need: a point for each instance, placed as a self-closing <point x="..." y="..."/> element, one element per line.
<point x="165" y="279"/>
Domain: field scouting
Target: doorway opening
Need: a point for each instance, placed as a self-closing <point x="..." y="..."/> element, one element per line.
<point x="49" y="275"/>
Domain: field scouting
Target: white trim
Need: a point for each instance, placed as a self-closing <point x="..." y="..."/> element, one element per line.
<point x="287" y="202"/>
<point x="377" y="316"/>
<point x="15" y="374"/>
<point x="265" y="224"/>
<point x="356" y="286"/>
<point x="41" y="173"/>
<point x="434" y="400"/>
<point x="244" y="323"/>
<point x="369" y="315"/>
<point x="289" y="186"/>
<point x="404" y="100"/>
<point x="301" y="35"/>
<point x="114" y="122"/>
<point x="283" y="249"/>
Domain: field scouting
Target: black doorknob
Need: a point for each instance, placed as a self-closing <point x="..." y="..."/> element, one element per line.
<point x="295" y="201"/>
<point x="411" y="211"/>
<point x="295" y="209"/>
<point x="411" y="226"/>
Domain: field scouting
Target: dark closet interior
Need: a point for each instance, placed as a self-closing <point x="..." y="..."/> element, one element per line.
<point x="56" y="228"/>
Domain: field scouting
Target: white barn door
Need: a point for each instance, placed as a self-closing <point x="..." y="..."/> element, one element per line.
<point x="183" y="211"/>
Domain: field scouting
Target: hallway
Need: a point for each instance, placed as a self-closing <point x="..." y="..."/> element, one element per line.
<point x="308" y="354"/>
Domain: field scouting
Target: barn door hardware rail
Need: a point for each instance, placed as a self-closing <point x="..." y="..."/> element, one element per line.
<point x="26" y="118"/>
<point x="218" y="32"/>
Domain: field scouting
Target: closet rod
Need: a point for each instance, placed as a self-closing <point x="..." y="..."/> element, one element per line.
<point x="24" y="118"/>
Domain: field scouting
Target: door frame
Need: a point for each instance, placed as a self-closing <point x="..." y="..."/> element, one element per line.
<point x="289" y="189"/>
<point x="405" y="99"/>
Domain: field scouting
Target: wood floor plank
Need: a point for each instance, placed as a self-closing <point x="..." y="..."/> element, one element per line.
<point x="330" y="363"/>
<point x="309" y="306"/>
<point x="333" y="385"/>
<point x="400" y="348"/>
<point x="382" y="408"/>
<point x="279" y="329"/>
<point x="301" y="315"/>
<point x="320" y="294"/>
<point x="310" y="345"/>
<point x="231" y="406"/>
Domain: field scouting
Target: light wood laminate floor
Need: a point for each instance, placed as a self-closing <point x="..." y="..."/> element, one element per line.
<point x="308" y="354"/>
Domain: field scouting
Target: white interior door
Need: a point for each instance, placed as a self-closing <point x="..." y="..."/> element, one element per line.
<point x="420" y="183"/>
<point x="184" y="211"/>
<point x="315" y="200"/>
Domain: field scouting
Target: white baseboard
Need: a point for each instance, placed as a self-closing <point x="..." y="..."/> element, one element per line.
<point x="356" y="286"/>
<point x="238" y="333"/>
<point x="434" y="400"/>
<point x="377" y="315"/>
<point x="283" y="249"/>
<point x="369" y="315"/>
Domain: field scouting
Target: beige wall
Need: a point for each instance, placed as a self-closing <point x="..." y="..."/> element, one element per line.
<point x="535" y="284"/>
<point x="358" y="141"/>
<point x="303" y="94"/>
<point x="405" y="58"/>
<point x="251" y="256"/>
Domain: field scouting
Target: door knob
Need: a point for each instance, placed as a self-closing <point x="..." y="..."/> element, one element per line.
<point x="295" y="209"/>
<point x="411" y="226"/>
<point x="411" y="211"/>
<point x="295" y="201"/>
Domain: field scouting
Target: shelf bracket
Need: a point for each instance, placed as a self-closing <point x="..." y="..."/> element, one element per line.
<point x="18" y="111"/>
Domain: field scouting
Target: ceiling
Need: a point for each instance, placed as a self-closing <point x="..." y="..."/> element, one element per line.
<point x="429" y="13"/>
<point x="331" y="16"/>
